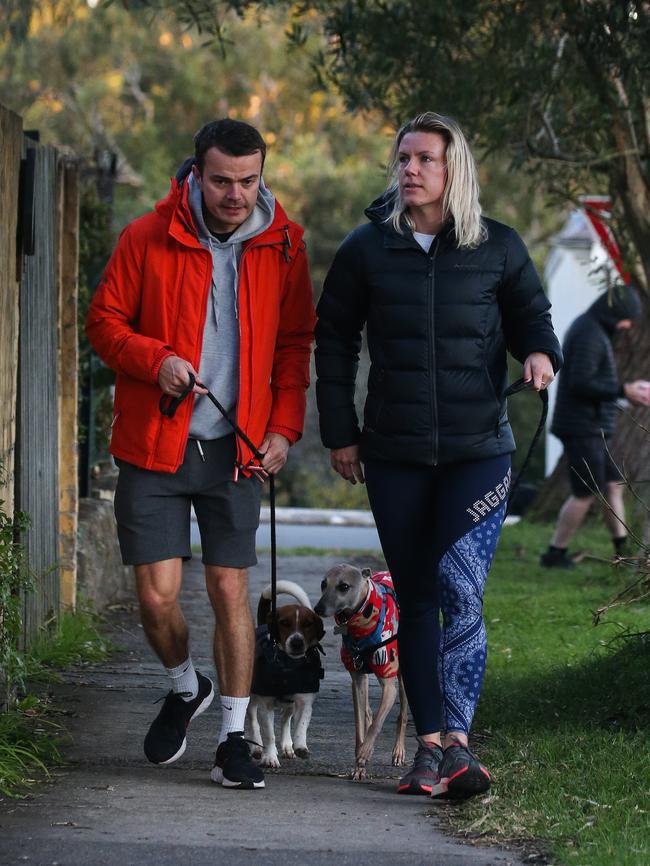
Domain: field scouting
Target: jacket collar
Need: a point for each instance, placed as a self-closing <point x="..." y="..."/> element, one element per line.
<point x="395" y="240"/>
<point x="175" y="208"/>
<point x="378" y="213"/>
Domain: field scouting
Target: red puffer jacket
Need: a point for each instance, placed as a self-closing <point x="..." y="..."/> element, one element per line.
<point x="152" y="302"/>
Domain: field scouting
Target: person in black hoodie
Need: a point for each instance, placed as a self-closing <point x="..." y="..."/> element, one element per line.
<point x="443" y="294"/>
<point x="585" y="417"/>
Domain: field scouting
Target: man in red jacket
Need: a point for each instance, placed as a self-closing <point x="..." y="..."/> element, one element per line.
<point x="213" y="283"/>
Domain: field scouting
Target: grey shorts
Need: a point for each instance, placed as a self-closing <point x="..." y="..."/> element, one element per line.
<point x="152" y="509"/>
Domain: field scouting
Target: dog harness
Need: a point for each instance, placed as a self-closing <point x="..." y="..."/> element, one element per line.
<point x="370" y="634"/>
<point x="277" y="674"/>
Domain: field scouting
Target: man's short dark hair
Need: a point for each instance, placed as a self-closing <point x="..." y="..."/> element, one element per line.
<point x="233" y="137"/>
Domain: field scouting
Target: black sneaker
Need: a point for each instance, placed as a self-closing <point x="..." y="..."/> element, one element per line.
<point x="460" y="775"/>
<point x="554" y="558"/>
<point x="233" y="765"/>
<point x="424" y="770"/>
<point x="166" y="742"/>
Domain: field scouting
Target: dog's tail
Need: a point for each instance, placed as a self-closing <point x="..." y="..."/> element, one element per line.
<point x="288" y="587"/>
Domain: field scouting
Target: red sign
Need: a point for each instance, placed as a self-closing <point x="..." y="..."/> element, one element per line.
<point x="598" y="211"/>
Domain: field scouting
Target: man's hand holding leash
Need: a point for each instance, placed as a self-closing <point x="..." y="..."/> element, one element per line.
<point x="174" y="378"/>
<point x="275" y="448"/>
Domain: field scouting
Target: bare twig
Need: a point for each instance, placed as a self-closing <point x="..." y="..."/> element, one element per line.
<point x="625" y="478"/>
<point x="595" y="490"/>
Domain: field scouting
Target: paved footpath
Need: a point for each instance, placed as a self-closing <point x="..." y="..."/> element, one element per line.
<point x="108" y="805"/>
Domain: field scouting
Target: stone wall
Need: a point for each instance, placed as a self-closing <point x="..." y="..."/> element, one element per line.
<point x="101" y="577"/>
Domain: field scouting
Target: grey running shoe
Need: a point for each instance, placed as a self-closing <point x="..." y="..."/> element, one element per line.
<point x="424" y="770"/>
<point x="460" y="775"/>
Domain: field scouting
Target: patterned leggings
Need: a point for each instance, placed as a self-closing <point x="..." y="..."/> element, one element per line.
<point x="439" y="528"/>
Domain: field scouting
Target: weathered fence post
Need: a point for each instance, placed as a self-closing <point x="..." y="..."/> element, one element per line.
<point x="37" y="454"/>
<point x="11" y="143"/>
<point x="68" y="286"/>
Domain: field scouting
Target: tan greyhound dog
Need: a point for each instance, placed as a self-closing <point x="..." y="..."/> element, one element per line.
<point x="366" y="615"/>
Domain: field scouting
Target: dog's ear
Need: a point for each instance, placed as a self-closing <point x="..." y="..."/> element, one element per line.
<point x="366" y="572"/>
<point x="320" y="628"/>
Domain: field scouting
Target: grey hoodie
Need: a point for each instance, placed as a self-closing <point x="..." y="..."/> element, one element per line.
<point x="219" y="366"/>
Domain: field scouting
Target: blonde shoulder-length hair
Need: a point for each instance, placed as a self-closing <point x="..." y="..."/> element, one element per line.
<point x="461" y="196"/>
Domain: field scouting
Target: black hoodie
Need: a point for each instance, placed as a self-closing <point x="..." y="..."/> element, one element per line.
<point x="438" y="325"/>
<point x="589" y="385"/>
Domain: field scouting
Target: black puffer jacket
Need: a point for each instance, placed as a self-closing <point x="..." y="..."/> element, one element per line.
<point x="438" y="326"/>
<point x="589" y="386"/>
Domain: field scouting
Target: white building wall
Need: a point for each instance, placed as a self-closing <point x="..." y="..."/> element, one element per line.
<point x="576" y="272"/>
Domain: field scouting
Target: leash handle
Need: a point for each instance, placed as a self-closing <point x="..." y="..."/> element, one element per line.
<point x="168" y="406"/>
<point x="516" y="388"/>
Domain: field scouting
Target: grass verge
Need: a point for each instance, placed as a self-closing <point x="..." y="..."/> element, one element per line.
<point x="30" y="734"/>
<point x="75" y="641"/>
<point x="564" y="716"/>
<point x="29" y="746"/>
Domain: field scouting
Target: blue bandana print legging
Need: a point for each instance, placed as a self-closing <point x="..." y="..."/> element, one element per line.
<point x="439" y="527"/>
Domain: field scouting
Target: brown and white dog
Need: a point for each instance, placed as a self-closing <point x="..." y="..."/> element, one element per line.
<point x="287" y="673"/>
<point x="366" y="614"/>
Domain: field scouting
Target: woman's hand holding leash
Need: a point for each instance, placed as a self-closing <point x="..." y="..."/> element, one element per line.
<point x="538" y="370"/>
<point x="346" y="462"/>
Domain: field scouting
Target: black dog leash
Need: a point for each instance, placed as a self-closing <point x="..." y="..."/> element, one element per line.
<point x="168" y="406"/>
<point x="516" y="388"/>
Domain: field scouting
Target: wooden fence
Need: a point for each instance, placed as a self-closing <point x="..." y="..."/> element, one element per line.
<point x="38" y="361"/>
<point x="11" y="144"/>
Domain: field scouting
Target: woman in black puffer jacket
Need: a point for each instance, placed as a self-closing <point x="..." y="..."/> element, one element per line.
<point x="443" y="293"/>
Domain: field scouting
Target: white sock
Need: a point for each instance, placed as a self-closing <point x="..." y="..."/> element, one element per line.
<point x="233" y="715"/>
<point x="184" y="679"/>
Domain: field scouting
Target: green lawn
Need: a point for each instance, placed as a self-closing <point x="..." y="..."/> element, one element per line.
<point x="563" y="719"/>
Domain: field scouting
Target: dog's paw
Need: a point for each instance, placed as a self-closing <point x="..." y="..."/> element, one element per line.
<point x="270" y="760"/>
<point x="256" y="753"/>
<point x="288" y="752"/>
<point x="303" y="752"/>
<point x="358" y="774"/>
<point x="399" y="756"/>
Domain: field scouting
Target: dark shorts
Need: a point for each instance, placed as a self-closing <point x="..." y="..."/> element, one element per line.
<point x="589" y="464"/>
<point x="152" y="509"/>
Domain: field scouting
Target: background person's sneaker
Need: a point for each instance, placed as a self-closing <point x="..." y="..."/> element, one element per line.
<point x="460" y="775"/>
<point x="165" y="742"/>
<point x="556" y="558"/>
<point x="234" y="766"/>
<point x="422" y="775"/>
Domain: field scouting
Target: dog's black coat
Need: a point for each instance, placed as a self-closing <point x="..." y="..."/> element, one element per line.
<point x="278" y="675"/>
